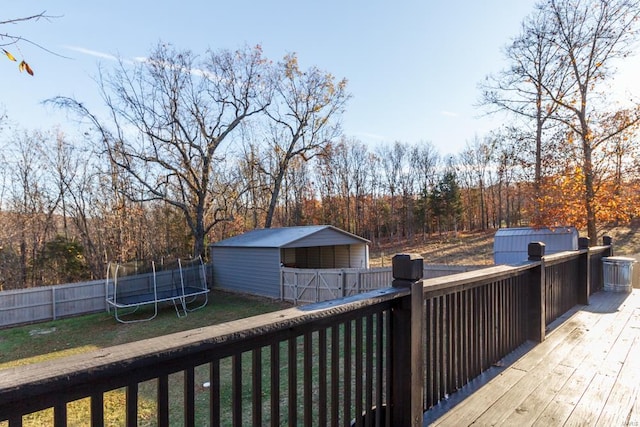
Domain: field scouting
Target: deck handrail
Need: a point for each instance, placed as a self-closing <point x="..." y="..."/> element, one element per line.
<point x="378" y="358"/>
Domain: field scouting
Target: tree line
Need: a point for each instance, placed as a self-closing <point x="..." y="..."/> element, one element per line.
<point x="192" y="148"/>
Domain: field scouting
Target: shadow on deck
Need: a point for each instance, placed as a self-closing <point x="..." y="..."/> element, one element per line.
<point x="586" y="372"/>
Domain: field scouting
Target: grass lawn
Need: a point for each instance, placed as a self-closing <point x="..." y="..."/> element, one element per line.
<point x="46" y="341"/>
<point x="43" y="341"/>
<point x="50" y="340"/>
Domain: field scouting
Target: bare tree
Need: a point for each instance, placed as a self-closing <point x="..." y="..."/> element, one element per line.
<point x="426" y="159"/>
<point x="392" y="159"/>
<point x="475" y="160"/>
<point x="169" y="117"/>
<point x="254" y="201"/>
<point x="304" y="118"/>
<point x="359" y="157"/>
<point x="33" y="200"/>
<point x="528" y="87"/>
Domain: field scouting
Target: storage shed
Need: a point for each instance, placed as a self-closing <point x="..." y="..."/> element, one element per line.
<point x="510" y="244"/>
<point x="251" y="262"/>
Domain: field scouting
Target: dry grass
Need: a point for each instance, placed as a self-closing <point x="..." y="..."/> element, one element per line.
<point x="476" y="248"/>
<point x="459" y="249"/>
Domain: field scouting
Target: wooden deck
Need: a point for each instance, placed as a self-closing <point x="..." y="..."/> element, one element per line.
<point x="586" y="372"/>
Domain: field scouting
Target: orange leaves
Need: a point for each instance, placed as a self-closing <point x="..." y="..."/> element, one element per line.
<point x="618" y="202"/>
<point x="562" y="200"/>
<point x="23" y="66"/>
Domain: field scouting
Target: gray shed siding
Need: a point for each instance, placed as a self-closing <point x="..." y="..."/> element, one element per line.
<point x="510" y="244"/>
<point x="250" y="262"/>
<point x="359" y="256"/>
<point x="249" y="270"/>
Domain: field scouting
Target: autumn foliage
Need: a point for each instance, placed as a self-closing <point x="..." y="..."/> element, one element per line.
<point x="22" y="66"/>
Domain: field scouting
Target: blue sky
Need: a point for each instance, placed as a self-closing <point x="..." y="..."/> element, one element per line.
<point x="412" y="66"/>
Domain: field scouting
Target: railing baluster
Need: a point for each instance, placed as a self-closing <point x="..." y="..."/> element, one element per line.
<point x="491" y="325"/>
<point x="379" y="366"/>
<point x="163" y="400"/>
<point x="256" y="390"/>
<point x="440" y="340"/>
<point x="293" y="381"/>
<point x="466" y="328"/>
<point x="369" y="370"/>
<point x="359" y="373"/>
<point x="275" y="384"/>
<point x="388" y="362"/>
<point x="486" y="322"/>
<point x="428" y="353"/>
<point x="189" y="397"/>
<point x="477" y="330"/>
<point x="60" y="414"/>
<point x="132" y="405"/>
<point x="446" y="345"/>
<point x="457" y="340"/>
<point x="502" y="309"/>
<point x="236" y="389"/>
<point x="335" y="374"/>
<point x="97" y="409"/>
<point x="322" y="377"/>
<point x="214" y="392"/>
<point x="346" y="376"/>
<point x="308" y="378"/>
<point x="15" y="421"/>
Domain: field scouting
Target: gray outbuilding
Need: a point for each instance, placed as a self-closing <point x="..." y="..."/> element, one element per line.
<point x="510" y="244"/>
<point x="251" y="262"/>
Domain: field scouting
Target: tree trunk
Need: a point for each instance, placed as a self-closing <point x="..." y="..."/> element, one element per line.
<point x="589" y="193"/>
<point x="537" y="181"/>
<point x="274" y="196"/>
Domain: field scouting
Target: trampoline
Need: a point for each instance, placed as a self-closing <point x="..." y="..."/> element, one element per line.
<point x="136" y="284"/>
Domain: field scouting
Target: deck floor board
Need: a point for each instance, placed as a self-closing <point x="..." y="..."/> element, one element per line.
<point x="586" y="372"/>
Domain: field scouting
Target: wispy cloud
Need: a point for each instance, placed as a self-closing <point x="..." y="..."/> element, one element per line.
<point x="138" y="59"/>
<point x="90" y="52"/>
<point x="449" y="113"/>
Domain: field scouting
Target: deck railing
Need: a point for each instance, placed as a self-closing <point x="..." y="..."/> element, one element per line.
<point x="380" y="358"/>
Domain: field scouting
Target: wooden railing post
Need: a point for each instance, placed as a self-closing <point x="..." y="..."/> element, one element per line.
<point x="406" y="341"/>
<point x="608" y="241"/>
<point x="537" y="311"/>
<point x="584" y="279"/>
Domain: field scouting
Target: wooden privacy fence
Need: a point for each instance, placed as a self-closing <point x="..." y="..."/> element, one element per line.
<point x="23" y="306"/>
<point x="307" y="285"/>
<point x="51" y="302"/>
<point x="379" y="358"/>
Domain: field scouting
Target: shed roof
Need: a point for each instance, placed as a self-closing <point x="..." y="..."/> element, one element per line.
<point x="285" y="237"/>
<point x="532" y="231"/>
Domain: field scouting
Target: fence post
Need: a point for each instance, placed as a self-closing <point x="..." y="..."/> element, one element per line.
<point x="584" y="279"/>
<point x="53" y="303"/>
<point x="537" y="311"/>
<point x="406" y="341"/>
